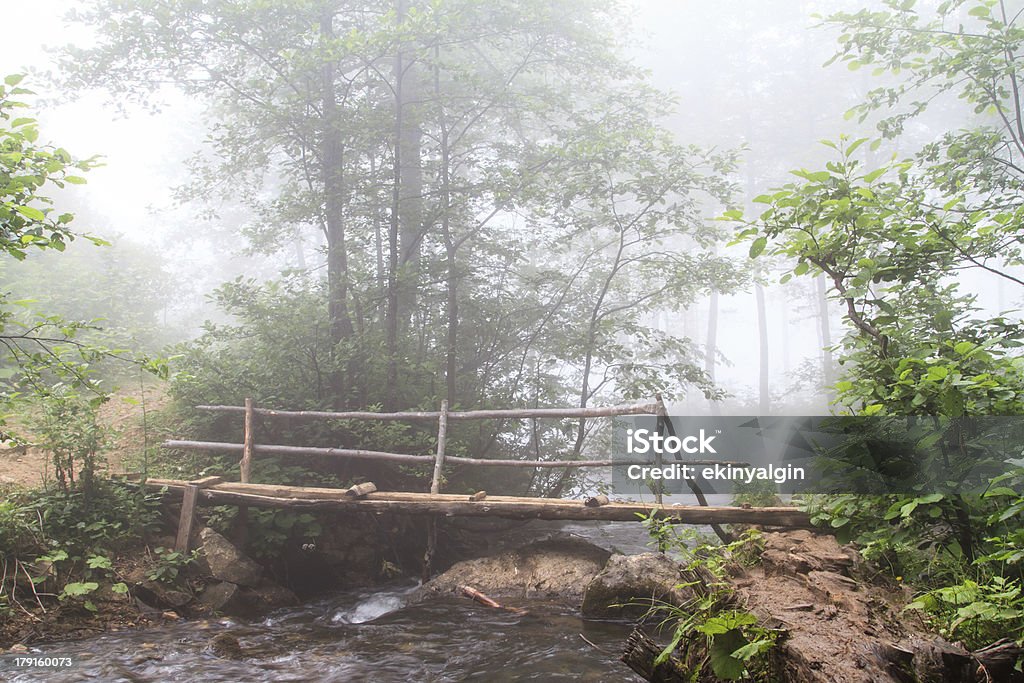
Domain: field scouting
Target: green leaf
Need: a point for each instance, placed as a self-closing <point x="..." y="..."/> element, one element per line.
<point x="963" y="347"/>
<point x="753" y="649"/>
<point x="757" y="246"/>
<point x="724" y="664"/>
<point x="31" y="213"/>
<point x="98" y="562"/>
<point x="79" y="588"/>
<point x="875" y="175"/>
<point x="855" y="144"/>
<point x="1001" y="491"/>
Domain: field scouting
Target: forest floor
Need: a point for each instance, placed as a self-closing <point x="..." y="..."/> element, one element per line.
<point x="125" y="414"/>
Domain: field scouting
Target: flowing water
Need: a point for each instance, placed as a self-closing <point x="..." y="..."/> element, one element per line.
<point x="381" y="635"/>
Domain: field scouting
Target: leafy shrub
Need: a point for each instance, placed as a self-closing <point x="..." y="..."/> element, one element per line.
<point x="169" y="564"/>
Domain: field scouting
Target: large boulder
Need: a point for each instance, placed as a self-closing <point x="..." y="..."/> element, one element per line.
<point x="629" y="585"/>
<point x="220" y="597"/>
<point x="158" y="595"/>
<point x="227" y="598"/>
<point x="555" y="569"/>
<point x="227" y="562"/>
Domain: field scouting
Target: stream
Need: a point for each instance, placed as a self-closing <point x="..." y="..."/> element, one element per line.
<point x="370" y="635"/>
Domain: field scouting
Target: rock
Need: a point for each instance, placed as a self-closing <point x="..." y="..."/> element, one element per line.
<point x="219" y="595"/>
<point x="227" y="562"/>
<point x="158" y="595"/>
<point x="557" y="568"/>
<point x="228" y="598"/>
<point x="857" y="631"/>
<point x="274" y="595"/>
<point x="226" y="645"/>
<point x="629" y="584"/>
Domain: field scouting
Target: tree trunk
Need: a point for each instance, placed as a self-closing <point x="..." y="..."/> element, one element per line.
<point x="391" y="383"/>
<point x="451" y="279"/>
<point x="410" y="180"/>
<point x="711" y="346"/>
<point x="764" y="383"/>
<point x="332" y="159"/>
<point x="827" y="367"/>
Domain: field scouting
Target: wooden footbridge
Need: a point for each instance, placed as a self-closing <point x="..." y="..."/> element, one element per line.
<point x="366" y="498"/>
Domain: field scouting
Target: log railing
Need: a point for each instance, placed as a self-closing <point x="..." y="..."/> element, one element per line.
<point x="214" y="490"/>
<point x="248" y="448"/>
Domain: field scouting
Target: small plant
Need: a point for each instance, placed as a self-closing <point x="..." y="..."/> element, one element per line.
<point x="67" y="427"/>
<point x="977" y="613"/>
<point x="708" y="630"/>
<point x="76" y="591"/>
<point x="169" y="564"/>
<point x="661" y="531"/>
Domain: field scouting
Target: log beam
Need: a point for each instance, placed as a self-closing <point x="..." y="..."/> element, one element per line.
<point x="451" y="505"/>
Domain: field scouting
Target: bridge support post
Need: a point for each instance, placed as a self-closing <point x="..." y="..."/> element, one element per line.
<point x="442" y="438"/>
<point x="188" y="516"/>
<point x="435" y="487"/>
<point x="240" y="528"/>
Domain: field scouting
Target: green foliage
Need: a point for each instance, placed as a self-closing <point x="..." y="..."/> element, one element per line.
<point x="65" y="425"/>
<point x="660" y="530"/>
<point x="708" y="632"/>
<point x="118" y="292"/>
<point x="169" y="564"/>
<point x="270" y="532"/>
<point x="975" y="613"/>
<point x="27" y="219"/>
<point x="69" y="542"/>
<point x="539" y="156"/>
<point x="66" y="533"/>
<point x="756" y="493"/>
<point x="891" y="241"/>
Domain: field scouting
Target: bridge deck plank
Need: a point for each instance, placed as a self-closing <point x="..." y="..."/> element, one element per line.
<point x="454" y="505"/>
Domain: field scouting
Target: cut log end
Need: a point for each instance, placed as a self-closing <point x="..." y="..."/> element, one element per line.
<point x="360" y="490"/>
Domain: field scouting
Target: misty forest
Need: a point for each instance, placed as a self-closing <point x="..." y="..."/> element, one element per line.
<point x="317" y="318"/>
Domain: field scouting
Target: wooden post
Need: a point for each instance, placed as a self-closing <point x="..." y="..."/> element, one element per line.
<point x="662" y="414"/>
<point x="435" y="487"/>
<point x="240" y="530"/>
<point x="247" y="442"/>
<point x="442" y="437"/>
<point x="188" y="515"/>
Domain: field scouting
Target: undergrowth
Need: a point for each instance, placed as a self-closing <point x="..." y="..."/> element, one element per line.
<point x="709" y="631"/>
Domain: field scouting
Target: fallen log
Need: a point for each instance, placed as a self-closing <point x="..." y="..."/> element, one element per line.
<point x="996" y="661"/>
<point x="640" y="655"/>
